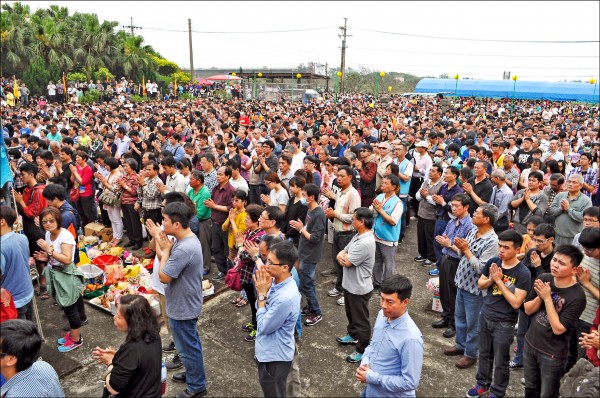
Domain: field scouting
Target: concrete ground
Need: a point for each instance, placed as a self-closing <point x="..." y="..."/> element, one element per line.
<point x="228" y="359"/>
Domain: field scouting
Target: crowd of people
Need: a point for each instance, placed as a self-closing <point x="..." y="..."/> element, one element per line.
<point x="504" y="198"/>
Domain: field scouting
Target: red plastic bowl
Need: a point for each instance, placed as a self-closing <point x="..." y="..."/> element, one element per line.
<point x="105" y="259"/>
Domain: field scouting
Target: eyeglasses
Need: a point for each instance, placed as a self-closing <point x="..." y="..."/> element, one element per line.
<point x="50" y="221"/>
<point x="269" y="262"/>
<point x="382" y="147"/>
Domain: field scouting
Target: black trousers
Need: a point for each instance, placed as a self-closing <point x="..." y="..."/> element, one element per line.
<point x="448" y="267"/>
<point x="75" y="313"/>
<point x="272" y="377"/>
<point x="340" y="241"/>
<point x="357" y="312"/>
<point x="131" y="220"/>
<point x="425" y="238"/>
<point x="154" y="215"/>
<point x="250" y="292"/>
<point x="85" y="208"/>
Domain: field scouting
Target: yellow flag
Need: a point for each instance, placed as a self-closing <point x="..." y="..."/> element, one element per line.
<point x="16" y="90"/>
<point x="143" y="85"/>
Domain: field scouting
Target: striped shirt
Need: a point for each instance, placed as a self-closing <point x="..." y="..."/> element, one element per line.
<point x="346" y="202"/>
<point x="483" y="248"/>
<point x="39" y="380"/>
<point x="593" y="265"/>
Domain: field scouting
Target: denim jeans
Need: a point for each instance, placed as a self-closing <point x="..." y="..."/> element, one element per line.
<point x="542" y="373"/>
<point x="385" y="263"/>
<point x="299" y="320"/>
<point x="189" y="348"/>
<point x="404" y="217"/>
<point x="495" y="339"/>
<point x="466" y="315"/>
<point x="440" y="227"/>
<point x="523" y="325"/>
<point x="307" y="286"/>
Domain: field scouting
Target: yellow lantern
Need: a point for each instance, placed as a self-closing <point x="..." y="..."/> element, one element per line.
<point x="382" y="74"/>
<point x="456" y="77"/>
<point x="515" y="77"/>
<point x="298" y="76"/>
<point x="234" y="74"/>
<point x="339" y="74"/>
<point x="390" y="89"/>
<point x="259" y="74"/>
<point x="592" y="81"/>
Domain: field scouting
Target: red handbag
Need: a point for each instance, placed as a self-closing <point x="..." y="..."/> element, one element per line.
<point x="8" y="310"/>
<point x="233" y="279"/>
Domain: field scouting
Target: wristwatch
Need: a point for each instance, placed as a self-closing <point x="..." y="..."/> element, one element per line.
<point x="255" y="257"/>
<point x="262" y="297"/>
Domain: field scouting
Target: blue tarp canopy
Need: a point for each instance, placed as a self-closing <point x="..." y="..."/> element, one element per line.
<point x="554" y="91"/>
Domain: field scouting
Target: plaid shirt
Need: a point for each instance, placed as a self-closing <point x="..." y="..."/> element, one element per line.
<point x="149" y="197"/>
<point x="589" y="177"/>
<point x="469" y="271"/>
<point x="244" y="261"/>
<point x="452" y="231"/>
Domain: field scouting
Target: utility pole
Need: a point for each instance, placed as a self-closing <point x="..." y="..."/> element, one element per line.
<point x="326" y="81"/>
<point x="191" y="51"/>
<point x="343" y="36"/>
<point x="131" y="26"/>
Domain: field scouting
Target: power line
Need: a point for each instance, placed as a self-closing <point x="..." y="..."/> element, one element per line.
<point x="477" y="55"/>
<point x="484" y="40"/>
<point x="241" y="32"/>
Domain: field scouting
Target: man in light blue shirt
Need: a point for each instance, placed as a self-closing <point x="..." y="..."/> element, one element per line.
<point x="391" y="365"/>
<point x="278" y="307"/>
<point x="25" y="376"/>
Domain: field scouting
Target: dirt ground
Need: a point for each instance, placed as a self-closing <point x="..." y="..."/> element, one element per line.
<point x="228" y="359"/>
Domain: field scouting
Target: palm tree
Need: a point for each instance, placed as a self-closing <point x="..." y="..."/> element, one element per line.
<point x="133" y="58"/>
<point x="54" y="38"/>
<point x="15" y="33"/>
<point x="95" y="46"/>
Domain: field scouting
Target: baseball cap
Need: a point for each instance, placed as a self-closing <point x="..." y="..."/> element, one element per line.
<point x="422" y="144"/>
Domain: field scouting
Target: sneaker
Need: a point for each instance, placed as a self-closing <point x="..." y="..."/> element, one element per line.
<point x="174" y="363"/>
<point x="354" y="357"/>
<point x="70" y="344"/>
<point x="346" y="340"/>
<point x="476" y="391"/>
<point x="328" y="272"/>
<point x="420" y="259"/>
<point x="313" y="320"/>
<point x="334" y="293"/>
<point x="341" y="301"/>
<point x="513" y="365"/>
<point x="248" y="327"/>
<point x="64" y="339"/>
<point x="219" y="276"/>
<point x="427" y="263"/>
<point x="434" y="272"/>
<point x="305" y="311"/>
<point x="169" y="347"/>
<point x="251" y="336"/>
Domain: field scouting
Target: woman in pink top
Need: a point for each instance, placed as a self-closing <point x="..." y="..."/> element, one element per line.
<point x="82" y="175"/>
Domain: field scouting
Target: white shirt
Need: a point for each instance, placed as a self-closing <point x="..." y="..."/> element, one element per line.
<point x="64" y="236"/>
<point x="122" y="146"/>
<point x="175" y="183"/>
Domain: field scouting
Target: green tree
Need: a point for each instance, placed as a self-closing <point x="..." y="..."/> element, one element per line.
<point x="95" y="46"/>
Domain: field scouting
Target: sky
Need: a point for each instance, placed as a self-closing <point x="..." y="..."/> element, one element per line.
<point x="495" y="36"/>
